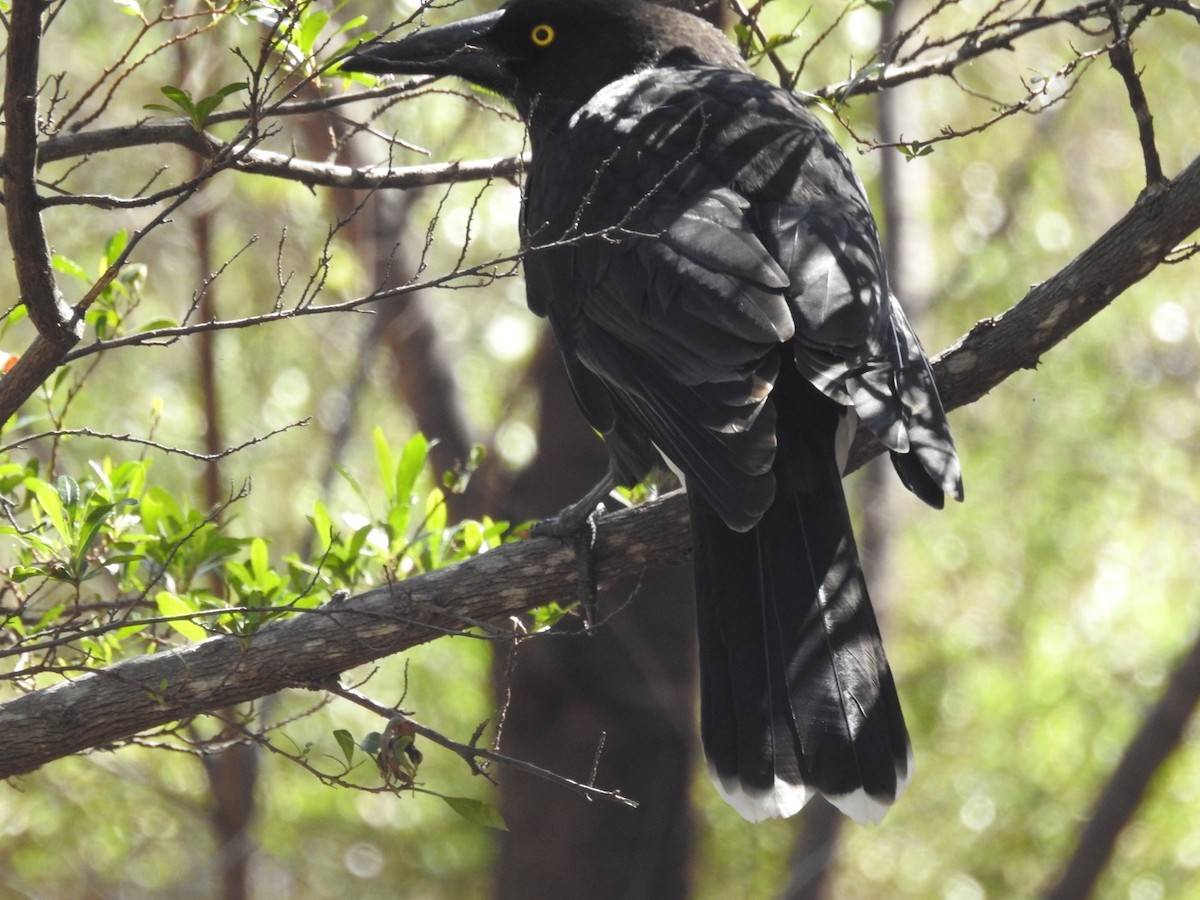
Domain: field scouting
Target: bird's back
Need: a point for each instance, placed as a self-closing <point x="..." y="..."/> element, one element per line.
<point x="689" y="219"/>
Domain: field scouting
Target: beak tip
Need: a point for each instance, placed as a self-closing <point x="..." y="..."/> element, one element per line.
<point x="364" y="63"/>
<point x="444" y="50"/>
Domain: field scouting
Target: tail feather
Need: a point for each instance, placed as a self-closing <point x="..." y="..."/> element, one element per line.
<point x="796" y="693"/>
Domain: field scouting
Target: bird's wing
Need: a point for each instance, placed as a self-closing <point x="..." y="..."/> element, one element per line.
<point x="680" y="312"/>
<point x="723" y="223"/>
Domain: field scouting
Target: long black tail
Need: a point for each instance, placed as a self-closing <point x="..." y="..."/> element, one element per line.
<point x="796" y="693"/>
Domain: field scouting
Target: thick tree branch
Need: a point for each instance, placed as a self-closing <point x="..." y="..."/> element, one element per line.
<point x="1124" y="255"/>
<point x="144" y="693"/>
<point x="256" y="161"/>
<point x="22" y="206"/>
<point x="57" y="327"/>
<point x="150" y="691"/>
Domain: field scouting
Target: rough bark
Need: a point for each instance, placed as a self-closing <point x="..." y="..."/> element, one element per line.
<point x="58" y="331"/>
<point x="308" y="650"/>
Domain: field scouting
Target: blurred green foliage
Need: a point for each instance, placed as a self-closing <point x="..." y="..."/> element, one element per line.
<point x="1030" y="628"/>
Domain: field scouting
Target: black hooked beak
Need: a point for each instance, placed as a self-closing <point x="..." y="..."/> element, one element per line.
<point x="459" y="48"/>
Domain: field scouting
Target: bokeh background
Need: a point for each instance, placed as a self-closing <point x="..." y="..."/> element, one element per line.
<point x="1030" y="628"/>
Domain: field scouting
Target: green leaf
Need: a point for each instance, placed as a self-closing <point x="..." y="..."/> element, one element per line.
<point x="358" y="539"/>
<point x="238" y="573"/>
<point x="356" y="22"/>
<point x="353" y="483"/>
<point x="18" y="313"/>
<point x="310" y="30"/>
<point x="371" y="742"/>
<point x="170" y="604"/>
<point x="95" y="521"/>
<point x="70" y="267"/>
<point x="68" y="492"/>
<point x="130" y="630"/>
<point x="260" y="559"/>
<point x="206" y="106"/>
<point x="161" y="513"/>
<point x="133" y="276"/>
<point x="181" y="98"/>
<point x="435" y="510"/>
<point x="115" y="247"/>
<point x="322" y="524"/>
<point x="914" y="149"/>
<point x="412" y="462"/>
<point x="51" y="504"/>
<point x="471" y="534"/>
<point x="383" y="461"/>
<point x="546" y="616"/>
<point x="156" y="324"/>
<point x="347" y="743"/>
<point x="20" y="574"/>
<point x="477" y="812"/>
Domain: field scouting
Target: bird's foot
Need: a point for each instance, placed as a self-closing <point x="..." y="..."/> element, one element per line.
<point x="576" y="526"/>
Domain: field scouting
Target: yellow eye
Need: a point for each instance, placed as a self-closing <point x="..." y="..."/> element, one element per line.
<point x="542" y="35"/>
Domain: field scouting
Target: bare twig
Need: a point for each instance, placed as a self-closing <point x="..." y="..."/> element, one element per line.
<point x="146" y="442"/>
<point x="1121" y="57"/>
<point x="472" y="753"/>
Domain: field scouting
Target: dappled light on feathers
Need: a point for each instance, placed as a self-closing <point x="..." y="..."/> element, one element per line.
<point x="712" y="273"/>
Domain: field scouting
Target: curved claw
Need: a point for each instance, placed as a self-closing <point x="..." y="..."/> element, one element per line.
<point x="578" y="528"/>
<point x="576" y="525"/>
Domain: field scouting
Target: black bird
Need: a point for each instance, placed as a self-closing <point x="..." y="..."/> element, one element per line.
<point x="711" y="270"/>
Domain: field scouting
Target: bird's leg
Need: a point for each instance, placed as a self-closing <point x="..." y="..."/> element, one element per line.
<point x="576" y="525"/>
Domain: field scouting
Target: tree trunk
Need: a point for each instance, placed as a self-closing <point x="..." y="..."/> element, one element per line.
<point x="619" y="701"/>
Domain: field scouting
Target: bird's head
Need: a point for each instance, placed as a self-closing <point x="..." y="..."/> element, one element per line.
<point x="550" y="56"/>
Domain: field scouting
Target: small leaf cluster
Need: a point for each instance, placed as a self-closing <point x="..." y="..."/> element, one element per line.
<point x="119" y="296"/>
<point x="95" y="558"/>
<point x="395" y="754"/>
<point x="302" y="32"/>
<point x="755" y="48"/>
<point x="196" y="111"/>
<point x="411" y="534"/>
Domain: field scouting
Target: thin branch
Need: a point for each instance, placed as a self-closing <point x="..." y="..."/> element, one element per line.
<point x="471" y="753"/>
<point x="1039" y="98"/>
<point x="146" y="442"/>
<point x="264" y="162"/>
<point x="486" y="272"/>
<point x="1121" y="57"/>
<point x="971" y="45"/>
